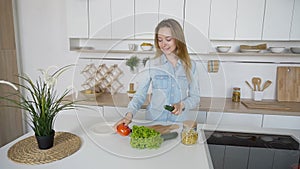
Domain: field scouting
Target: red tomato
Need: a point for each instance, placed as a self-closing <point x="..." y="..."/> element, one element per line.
<point x="123" y="130"/>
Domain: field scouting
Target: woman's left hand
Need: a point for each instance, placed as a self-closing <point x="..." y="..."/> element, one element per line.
<point x="178" y="108"/>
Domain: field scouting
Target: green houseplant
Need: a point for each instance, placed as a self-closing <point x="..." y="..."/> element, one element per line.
<point x="41" y="101"/>
<point x="133" y="63"/>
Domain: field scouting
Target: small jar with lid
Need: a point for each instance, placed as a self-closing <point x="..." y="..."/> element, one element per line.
<point x="236" y="94"/>
<point x="189" y="133"/>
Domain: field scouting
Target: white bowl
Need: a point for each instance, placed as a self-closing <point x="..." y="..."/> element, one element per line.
<point x="146" y="46"/>
<point x="276" y="49"/>
<point x="295" y="49"/>
<point x="223" y="49"/>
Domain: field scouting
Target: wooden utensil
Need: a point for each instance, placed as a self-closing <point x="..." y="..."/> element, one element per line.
<point x="255" y="83"/>
<point x="266" y="84"/>
<point x="288" y="84"/>
<point x="258" y="83"/>
<point x="249" y="85"/>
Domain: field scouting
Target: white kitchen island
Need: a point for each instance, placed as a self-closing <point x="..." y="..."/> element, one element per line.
<point x="112" y="150"/>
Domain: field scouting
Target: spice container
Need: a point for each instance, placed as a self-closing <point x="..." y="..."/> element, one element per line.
<point x="236" y="94"/>
<point x="189" y="134"/>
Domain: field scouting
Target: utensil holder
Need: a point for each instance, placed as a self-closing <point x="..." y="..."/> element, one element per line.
<point x="257" y="95"/>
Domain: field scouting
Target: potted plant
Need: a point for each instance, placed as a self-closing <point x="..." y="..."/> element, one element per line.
<point x="133" y="63"/>
<point x="42" y="103"/>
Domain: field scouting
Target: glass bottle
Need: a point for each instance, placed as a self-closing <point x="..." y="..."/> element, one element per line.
<point x="236" y="94"/>
<point x="189" y="134"/>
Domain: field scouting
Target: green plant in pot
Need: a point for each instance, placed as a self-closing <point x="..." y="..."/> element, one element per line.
<point x="133" y="63"/>
<point x="42" y="103"/>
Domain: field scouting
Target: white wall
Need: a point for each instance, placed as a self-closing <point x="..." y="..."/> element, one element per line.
<point x="43" y="39"/>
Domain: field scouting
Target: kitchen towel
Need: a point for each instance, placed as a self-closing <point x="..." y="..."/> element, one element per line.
<point x="213" y="66"/>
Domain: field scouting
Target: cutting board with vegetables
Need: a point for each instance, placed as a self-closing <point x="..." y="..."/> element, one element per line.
<point x="288" y="84"/>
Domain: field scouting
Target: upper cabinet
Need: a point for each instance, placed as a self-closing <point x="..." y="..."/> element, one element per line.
<point x="77" y="18"/>
<point x="222" y="19"/>
<point x="278" y="19"/>
<point x="122" y="23"/>
<point x="295" y="29"/>
<point x="196" y="24"/>
<point x="100" y="19"/>
<point x="146" y="18"/>
<point x="249" y="24"/>
<point x="171" y="9"/>
<point x="202" y="20"/>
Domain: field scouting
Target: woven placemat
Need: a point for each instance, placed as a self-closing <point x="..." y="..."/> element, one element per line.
<point x="26" y="151"/>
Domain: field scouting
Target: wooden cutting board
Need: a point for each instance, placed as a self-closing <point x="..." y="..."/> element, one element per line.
<point x="164" y="128"/>
<point x="288" y="84"/>
<point x="266" y="105"/>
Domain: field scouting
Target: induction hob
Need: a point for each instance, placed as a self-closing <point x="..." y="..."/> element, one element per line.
<point x="251" y="140"/>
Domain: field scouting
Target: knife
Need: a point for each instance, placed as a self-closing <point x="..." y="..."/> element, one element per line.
<point x="169" y="136"/>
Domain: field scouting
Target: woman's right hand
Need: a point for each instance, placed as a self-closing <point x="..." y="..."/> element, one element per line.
<point x="126" y="120"/>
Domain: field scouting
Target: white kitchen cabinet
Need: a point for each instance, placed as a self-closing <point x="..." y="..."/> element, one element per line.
<point x="229" y="119"/>
<point x="277" y="20"/>
<point x="280" y="121"/>
<point x="236" y="157"/>
<point x="171" y="9"/>
<point x="222" y="19"/>
<point x="122" y="13"/>
<point x="100" y="19"/>
<point x="198" y="116"/>
<point x="146" y="18"/>
<point x="196" y="25"/>
<point x="112" y="112"/>
<point x="249" y="23"/>
<point x="295" y="27"/>
<point x="77" y="18"/>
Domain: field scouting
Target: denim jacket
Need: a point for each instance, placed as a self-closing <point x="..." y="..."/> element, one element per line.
<point x="167" y="85"/>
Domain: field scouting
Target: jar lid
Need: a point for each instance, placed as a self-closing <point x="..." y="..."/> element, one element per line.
<point x="190" y="124"/>
<point x="236" y="88"/>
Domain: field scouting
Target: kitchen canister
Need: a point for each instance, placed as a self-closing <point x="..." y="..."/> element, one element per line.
<point x="236" y="94"/>
<point x="189" y="133"/>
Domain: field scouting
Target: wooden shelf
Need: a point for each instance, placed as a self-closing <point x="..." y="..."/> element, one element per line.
<point x="114" y="51"/>
<point x="212" y="53"/>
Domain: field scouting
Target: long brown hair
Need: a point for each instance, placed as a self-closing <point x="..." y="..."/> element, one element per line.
<point x="181" y="49"/>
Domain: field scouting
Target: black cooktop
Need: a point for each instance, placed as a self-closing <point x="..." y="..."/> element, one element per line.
<point x="251" y="140"/>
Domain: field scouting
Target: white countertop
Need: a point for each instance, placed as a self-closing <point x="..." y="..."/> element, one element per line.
<point x="114" y="151"/>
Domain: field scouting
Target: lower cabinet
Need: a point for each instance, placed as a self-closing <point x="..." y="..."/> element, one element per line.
<point x="217" y="155"/>
<point x="260" y="158"/>
<point x="119" y="112"/>
<point x="285" y="159"/>
<point x="198" y="116"/>
<point x="237" y="157"/>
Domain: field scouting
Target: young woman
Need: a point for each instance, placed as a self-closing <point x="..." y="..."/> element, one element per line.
<point x="172" y="76"/>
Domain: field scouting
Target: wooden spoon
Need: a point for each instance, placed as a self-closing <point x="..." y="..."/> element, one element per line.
<point x="254" y="82"/>
<point x="258" y="83"/>
<point x="266" y="84"/>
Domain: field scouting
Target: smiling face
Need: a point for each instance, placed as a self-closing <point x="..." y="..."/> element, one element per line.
<point x="165" y="40"/>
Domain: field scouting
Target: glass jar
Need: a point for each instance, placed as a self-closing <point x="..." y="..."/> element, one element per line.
<point x="189" y="134"/>
<point x="236" y="94"/>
